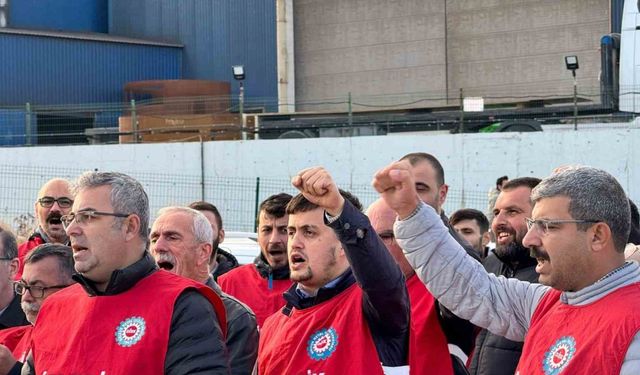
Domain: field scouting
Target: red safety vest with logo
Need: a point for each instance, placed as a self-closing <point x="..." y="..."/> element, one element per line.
<point x="331" y="338"/>
<point x="428" y="347"/>
<point x="590" y="339"/>
<point x="18" y="340"/>
<point x="246" y="284"/>
<point x="127" y="333"/>
<point x="24" y="249"/>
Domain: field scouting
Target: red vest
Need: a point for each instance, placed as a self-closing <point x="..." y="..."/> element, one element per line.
<point x="591" y="339"/>
<point x="331" y="338"/>
<point x="246" y="284"/>
<point x="428" y="347"/>
<point x="18" y="340"/>
<point x="127" y="333"/>
<point x="24" y="249"/>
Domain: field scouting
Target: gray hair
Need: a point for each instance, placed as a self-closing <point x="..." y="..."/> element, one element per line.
<point x="594" y="195"/>
<point x="127" y="194"/>
<point x="9" y="244"/>
<point x="62" y="253"/>
<point x="202" y="231"/>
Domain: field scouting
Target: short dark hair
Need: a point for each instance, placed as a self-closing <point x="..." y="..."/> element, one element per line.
<point x="470" y="214"/>
<point x="634" y="234"/>
<point x="62" y="253"/>
<point x="529" y="182"/>
<point x="9" y="244"/>
<point x="275" y="205"/>
<point x="416" y="157"/>
<point x="206" y="206"/>
<point x="500" y="180"/>
<point x="301" y="204"/>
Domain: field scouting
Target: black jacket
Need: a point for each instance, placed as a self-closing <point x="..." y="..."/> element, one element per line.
<point x="195" y="343"/>
<point x="385" y="301"/>
<point x="495" y="355"/>
<point x="13" y="315"/>
<point x="226" y="262"/>
<point x="242" y="332"/>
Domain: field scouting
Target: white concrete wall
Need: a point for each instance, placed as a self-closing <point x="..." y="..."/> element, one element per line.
<point x="171" y="172"/>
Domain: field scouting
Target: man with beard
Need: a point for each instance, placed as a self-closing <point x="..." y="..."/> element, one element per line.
<point x="221" y="261"/>
<point x="494" y="354"/>
<point x="48" y="268"/>
<point x="54" y="200"/>
<point x="11" y="315"/>
<point x="583" y="317"/>
<point x="348" y="312"/>
<point x="473" y="226"/>
<point x="181" y="240"/>
<point x="260" y="285"/>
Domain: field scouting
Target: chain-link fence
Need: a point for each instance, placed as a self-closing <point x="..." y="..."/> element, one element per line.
<point x="236" y="198"/>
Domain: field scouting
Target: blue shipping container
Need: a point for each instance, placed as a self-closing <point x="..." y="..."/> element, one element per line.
<point x="215" y="35"/>
<point x="54" y="68"/>
<point x="67" y="15"/>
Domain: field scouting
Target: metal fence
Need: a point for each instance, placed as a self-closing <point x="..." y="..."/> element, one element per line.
<point x="214" y="118"/>
<point x="236" y="198"/>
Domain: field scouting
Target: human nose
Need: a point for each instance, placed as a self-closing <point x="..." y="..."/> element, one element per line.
<point x="72" y="228"/>
<point x="532" y="238"/>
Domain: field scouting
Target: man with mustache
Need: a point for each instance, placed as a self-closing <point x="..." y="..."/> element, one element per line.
<point x="583" y="317"/>
<point x="221" y="261"/>
<point x="260" y="285"/>
<point x="181" y="240"/>
<point x="348" y="312"/>
<point x="48" y="268"/>
<point x="54" y="200"/>
<point x="494" y="354"/>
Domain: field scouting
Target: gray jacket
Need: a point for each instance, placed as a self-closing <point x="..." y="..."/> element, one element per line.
<point x="503" y="306"/>
<point x="242" y="332"/>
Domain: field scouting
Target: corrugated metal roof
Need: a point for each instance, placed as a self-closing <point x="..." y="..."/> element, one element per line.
<point x="96" y="37"/>
<point x="42" y="69"/>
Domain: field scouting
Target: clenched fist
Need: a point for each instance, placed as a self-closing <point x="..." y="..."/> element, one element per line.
<point x="319" y="188"/>
<point x="396" y="186"/>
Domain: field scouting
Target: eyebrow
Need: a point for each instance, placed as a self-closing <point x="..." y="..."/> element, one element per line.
<point x="306" y="226"/>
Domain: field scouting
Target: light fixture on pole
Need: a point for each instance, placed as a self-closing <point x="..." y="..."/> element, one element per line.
<point x="238" y="75"/>
<point x="572" y="64"/>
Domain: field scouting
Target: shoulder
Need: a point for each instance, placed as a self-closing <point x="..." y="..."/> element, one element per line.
<point x="237" y="272"/>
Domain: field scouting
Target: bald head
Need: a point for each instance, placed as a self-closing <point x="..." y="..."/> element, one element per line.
<point x="382" y="218"/>
<point x="54" y="200"/>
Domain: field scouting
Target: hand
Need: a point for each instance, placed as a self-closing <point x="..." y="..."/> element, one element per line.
<point x="6" y="360"/>
<point x="396" y="186"/>
<point x="318" y="187"/>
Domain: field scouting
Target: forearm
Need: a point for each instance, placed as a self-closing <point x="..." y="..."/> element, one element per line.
<point x="503" y="306"/>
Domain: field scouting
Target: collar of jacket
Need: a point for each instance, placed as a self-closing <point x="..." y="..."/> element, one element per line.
<point x="264" y="269"/>
<point x="522" y="260"/>
<point x="324" y="294"/>
<point x="122" y="279"/>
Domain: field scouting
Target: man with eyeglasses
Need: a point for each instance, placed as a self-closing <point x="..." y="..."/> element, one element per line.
<point x="48" y="268"/>
<point x="124" y="316"/>
<point x="583" y="318"/>
<point x="54" y="200"/>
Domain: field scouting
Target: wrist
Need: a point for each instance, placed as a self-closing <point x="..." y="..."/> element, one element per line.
<point x="408" y="214"/>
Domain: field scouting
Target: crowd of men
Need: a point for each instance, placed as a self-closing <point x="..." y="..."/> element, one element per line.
<point x="544" y="287"/>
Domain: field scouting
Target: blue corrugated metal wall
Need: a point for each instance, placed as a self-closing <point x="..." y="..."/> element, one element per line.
<point x="13" y="126"/>
<point x="67" y="15"/>
<point x="216" y="34"/>
<point x="53" y="70"/>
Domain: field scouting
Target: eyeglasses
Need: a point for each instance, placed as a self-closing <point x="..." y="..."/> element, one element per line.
<point x="48" y="202"/>
<point x="36" y="291"/>
<point x="83" y="217"/>
<point x="543" y="226"/>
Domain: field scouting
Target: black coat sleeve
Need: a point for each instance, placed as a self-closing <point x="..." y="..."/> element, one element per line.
<point x="385" y="297"/>
<point x="196" y="345"/>
<point x="242" y="338"/>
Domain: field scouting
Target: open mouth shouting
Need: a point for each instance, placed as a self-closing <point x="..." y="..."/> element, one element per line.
<point x="165" y="261"/>
<point x="296" y="260"/>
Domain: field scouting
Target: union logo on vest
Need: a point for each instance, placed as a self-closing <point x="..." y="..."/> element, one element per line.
<point x="559" y="355"/>
<point x="130" y="331"/>
<point x="322" y="344"/>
